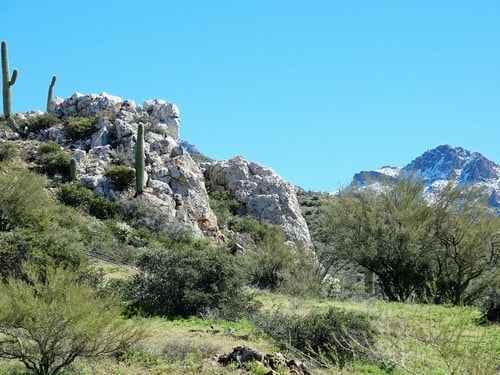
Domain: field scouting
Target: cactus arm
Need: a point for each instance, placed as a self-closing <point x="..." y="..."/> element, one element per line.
<point x="7" y="81"/>
<point x="139" y="160"/>
<point x="72" y="169"/>
<point x="13" y="79"/>
<point x="51" y="90"/>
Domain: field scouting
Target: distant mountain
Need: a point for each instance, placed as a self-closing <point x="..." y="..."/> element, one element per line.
<point x="436" y="168"/>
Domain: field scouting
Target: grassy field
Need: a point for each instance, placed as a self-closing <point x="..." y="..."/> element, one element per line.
<point x="413" y="339"/>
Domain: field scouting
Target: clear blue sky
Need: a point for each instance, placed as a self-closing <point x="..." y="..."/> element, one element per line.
<point x="317" y="90"/>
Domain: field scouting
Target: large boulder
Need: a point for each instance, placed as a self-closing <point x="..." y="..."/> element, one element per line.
<point x="164" y="115"/>
<point x="262" y="193"/>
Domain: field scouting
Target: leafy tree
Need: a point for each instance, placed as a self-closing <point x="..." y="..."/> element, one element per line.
<point x="49" y="322"/>
<point x="387" y="234"/>
<point x="466" y="255"/>
<point x="433" y="251"/>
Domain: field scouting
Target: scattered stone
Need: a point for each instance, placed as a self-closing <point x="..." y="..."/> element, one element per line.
<point x="242" y="355"/>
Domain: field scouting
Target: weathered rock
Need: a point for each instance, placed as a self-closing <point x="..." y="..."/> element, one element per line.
<point x="175" y="187"/>
<point x="241" y="355"/>
<point x="263" y="194"/>
<point x="269" y="362"/>
<point x="101" y="137"/>
<point x="88" y="105"/>
<point x="164" y="115"/>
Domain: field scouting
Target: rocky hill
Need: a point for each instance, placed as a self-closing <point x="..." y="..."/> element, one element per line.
<point x="177" y="174"/>
<point x="436" y="168"/>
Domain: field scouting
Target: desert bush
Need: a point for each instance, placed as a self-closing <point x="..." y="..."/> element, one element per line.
<point x="334" y="336"/>
<point x="121" y="176"/>
<point x="22" y="197"/>
<point x="50" y="246"/>
<point x="187" y="280"/>
<point x="53" y="160"/>
<point x="79" y="127"/>
<point x="8" y="151"/>
<point x="224" y="206"/>
<point x="39" y="122"/>
<point x="76" y="195"/>
<point x="277" y="266"/>
<point x="258" y="230"/>
<point x="48" y="324"/>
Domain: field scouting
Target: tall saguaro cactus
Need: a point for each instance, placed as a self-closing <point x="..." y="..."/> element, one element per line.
<point x="7" y="82"/>
<point x="50" y="94"/>
<point x="139" y="160"/>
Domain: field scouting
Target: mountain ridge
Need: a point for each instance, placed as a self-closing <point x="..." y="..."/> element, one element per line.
<point x="437" y="167"/>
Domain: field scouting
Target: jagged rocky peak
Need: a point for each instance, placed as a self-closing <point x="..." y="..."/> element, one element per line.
<point x="176" y="173"/>
<point x="175" y="191"/>
<point x="160" y="113"/>
<point x="441" y="163"/>
<point x="262" y="193"/>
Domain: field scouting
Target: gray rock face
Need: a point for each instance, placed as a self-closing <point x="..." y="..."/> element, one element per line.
<point x="175" y="191"/>
<point x="264" y="195"/>
<point x="164" y="117"/>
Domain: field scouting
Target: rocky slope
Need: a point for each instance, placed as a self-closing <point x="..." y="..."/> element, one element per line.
<point x="436" y="168"/>
<point x="176" y="181"/>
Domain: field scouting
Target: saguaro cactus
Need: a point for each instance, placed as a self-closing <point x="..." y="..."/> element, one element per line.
<point x="7" y="82"/>
<point x="72" y="170"/>
<point x="51" y="92"/>
<point x="139" y="160"/>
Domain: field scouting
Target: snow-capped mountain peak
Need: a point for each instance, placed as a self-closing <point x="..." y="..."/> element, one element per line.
<point x="437" y="167"/>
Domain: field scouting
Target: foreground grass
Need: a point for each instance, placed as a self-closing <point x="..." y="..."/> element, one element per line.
<point x="414" y="339"/>
<point x="417" y="339"/>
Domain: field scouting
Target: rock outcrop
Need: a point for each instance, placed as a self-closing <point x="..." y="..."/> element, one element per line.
<point x="175" y="172"/>
<point x="175" y="192"/>
<point x="271" y="364"/>
<point x="262" y="193"/>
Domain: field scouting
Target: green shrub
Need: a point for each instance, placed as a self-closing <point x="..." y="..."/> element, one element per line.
<point x="187" y="280"/>
<point x="76" y="195"/>
<point x="334" y="336"/>
<point x="23" y="199"/>
<point x="277" y="266"/>
<point x="258" y="230"/>
<point x="8" y="151"/>
<point x="121" y="176"/>
<point x="224" y="206"/>
<point x="80" y="127"/>
<point x="53" y="160"/>
<point x="41" y="247"/>
<point x="40" y="122"/>
<point x="47" y="324"/>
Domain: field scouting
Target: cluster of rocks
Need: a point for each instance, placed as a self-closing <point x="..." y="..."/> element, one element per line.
<point x="242" y="355"/>
<point x="262" y="194"/>
<point x="176" y="191"/>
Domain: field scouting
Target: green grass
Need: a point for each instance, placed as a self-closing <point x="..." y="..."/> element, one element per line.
<point x="414" y="339"/>
<point x="417" y="339"/>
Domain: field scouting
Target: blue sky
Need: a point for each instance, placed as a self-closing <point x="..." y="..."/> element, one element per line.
<point x="317" y="90"/>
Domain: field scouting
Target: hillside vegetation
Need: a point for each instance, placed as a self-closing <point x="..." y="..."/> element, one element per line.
<point x="397" y="286"/>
